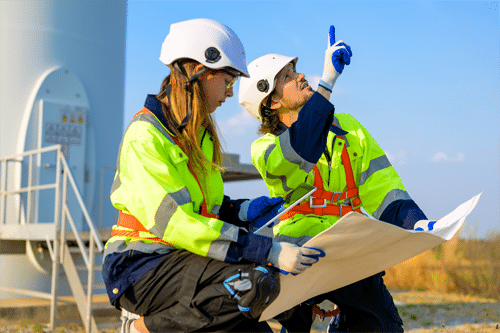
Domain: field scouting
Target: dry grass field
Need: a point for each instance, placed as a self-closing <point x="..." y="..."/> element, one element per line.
<point x="463" y="266"/>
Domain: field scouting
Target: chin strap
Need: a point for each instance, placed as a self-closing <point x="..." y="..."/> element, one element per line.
<point x="189" y="89"/>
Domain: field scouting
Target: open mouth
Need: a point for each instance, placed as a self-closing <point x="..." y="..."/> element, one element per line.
<point x="305" y="86"/>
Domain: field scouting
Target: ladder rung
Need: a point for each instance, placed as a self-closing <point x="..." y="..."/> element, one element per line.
<point x="96" y="286"/>
<point x="110" y="325"/>
<point x="83" y="267"/>
<point x="99" y="286"/>
<point x="74" y="249"/>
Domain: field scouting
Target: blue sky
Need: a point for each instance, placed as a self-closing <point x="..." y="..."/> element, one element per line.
<point x="424" y="80"/>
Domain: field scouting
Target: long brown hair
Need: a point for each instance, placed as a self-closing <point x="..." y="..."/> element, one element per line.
<point x="175" y="110"/>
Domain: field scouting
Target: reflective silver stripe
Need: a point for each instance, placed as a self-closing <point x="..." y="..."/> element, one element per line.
<point x="294" y="240"/>
<point x="150" y="118"/>
<point x="376" y="164"/>
<point x="218" y="248"/>
<point x="291" y="155"/>
<point x="120" y="246"/>
<point x="282" y="178"/>
<point x="167" y="208"/>
<point x="116" y="182"/>
<point x="215" y="210"/>
<point x="336" y="121"/>
<point x="393" y="195"/>
<point x="269" y="149"/>
<point x="146" y="117"/>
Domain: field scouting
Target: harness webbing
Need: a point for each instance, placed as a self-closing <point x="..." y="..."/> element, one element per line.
<point x="318" y="201"/>
<point x="323" y="314"/>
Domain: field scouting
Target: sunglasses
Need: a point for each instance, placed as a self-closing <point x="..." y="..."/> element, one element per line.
<point x="233" y="80"/>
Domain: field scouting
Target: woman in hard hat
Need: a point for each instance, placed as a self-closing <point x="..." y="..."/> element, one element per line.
<point x="304" y="141"/>
<point x="181" y="255"/>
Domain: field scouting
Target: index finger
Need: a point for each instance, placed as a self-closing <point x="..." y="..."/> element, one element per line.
<point x="332" y="35"/>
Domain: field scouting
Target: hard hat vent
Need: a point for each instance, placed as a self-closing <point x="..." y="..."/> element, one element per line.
<point x="263" y="86"/>
<point x="212" y="55"/>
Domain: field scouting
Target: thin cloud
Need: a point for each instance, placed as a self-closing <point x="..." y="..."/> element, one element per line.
<point x="398" y="158"/>
<point x="239" y="125"/>
<point x="243" y="118"/>
<point x="441" y="157"/>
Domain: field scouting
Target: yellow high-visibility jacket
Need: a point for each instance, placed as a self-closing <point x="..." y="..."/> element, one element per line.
<point x="286" y="159"/>
<point x="154" y="184"/>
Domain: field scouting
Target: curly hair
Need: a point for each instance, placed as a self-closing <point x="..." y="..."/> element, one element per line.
<point x="270" y="121"/>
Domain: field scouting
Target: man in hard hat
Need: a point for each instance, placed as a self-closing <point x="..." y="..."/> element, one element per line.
<point x="304" y="141"/>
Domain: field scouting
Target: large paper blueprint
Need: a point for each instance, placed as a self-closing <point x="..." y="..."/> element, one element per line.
<point x="357" y="247"/>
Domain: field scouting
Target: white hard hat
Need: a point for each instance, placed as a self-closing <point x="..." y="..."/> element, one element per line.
<point x="262" y="80"/>
<point x="207" y="41"/>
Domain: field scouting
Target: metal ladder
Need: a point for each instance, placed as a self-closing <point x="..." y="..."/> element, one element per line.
<point x="23" y="228"/>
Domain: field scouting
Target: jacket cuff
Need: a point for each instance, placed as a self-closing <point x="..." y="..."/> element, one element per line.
<point x="229" y="211"/>
<point x="257" y="248"/>
<point x="403" y="213"/>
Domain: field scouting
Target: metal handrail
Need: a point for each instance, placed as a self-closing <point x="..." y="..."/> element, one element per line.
<point x="61" y="215"/>
<point x="31" y="188"/>
<point x="15" y="157"/>
<point x="94" y="233"/>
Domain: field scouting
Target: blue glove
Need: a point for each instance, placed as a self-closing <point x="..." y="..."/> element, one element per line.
<point x="260" y="210"/>
<point x="337" y="55"/>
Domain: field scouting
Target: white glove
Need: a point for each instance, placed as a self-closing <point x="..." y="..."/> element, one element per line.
<point x="337" y="55"/>
<point x="290" y="258"/>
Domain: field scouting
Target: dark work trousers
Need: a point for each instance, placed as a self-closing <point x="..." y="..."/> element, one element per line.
<point x="300" y="320"/>
<point x="366" y="306"/>
<point x="184" y="293"/>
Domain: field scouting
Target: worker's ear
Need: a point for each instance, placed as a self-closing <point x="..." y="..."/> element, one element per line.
<point x="275" y="103"/>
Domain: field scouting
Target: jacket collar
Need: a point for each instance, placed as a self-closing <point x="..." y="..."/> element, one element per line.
<point x="337" y="130"/>
<point x="281" y="128"/>
<point x="333" y="128"/>
<point x="154" y="105"/>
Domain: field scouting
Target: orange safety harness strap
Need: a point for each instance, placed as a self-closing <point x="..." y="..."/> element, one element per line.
<point x="131" y="222"/>
<point x="323" y="314"/>
<point x="317" y="202"/>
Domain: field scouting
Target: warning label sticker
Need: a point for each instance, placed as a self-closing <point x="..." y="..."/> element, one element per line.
<point x="63" y="134"/>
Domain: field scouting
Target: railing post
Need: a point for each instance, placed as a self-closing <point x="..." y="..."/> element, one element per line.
<point x="3" y="182"/>
<point x="101" y="195"/>
<point x="90" y="283"/>
<point x="53" y="288"/>
<point x="55" y="262"/>
<point x="64" y="199"/>
<point x="30" y="192"/>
